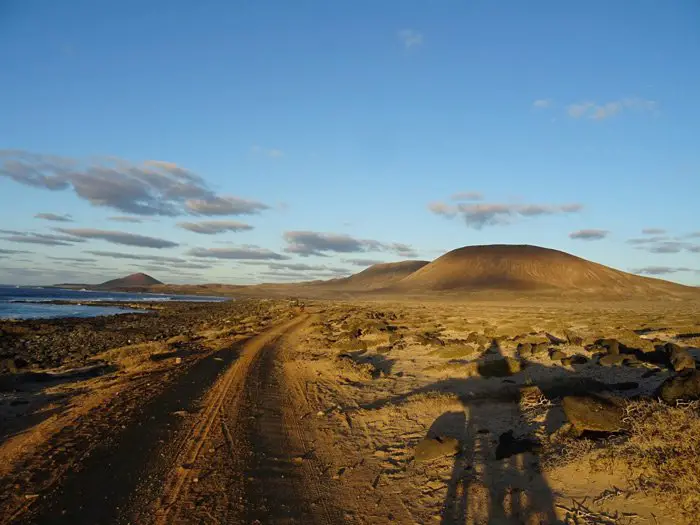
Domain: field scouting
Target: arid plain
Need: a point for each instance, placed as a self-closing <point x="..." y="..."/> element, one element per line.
<point x="494" y="385"/>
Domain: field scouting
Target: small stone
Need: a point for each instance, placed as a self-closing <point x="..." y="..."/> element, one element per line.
<point x="613" y="360"/>
<point x="320" y="413"/>
<point x="557" y="355"/>
<point x="579" y="359"/>
<point x="178" y="360"/>
<point x="612" y="345"/>
<point x="524" y="349"/>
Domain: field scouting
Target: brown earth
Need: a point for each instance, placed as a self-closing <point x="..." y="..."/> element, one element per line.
<point x="524" y="267"/>
<point x="471" y="272"/>
<point x="374" y="412"/>
<point x="375" y="277"/>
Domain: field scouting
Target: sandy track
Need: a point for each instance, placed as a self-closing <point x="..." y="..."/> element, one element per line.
<point x="223" y="442"/>
<point x="242" y="461"/>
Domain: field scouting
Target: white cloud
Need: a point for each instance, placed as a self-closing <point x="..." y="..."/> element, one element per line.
<point x="410" y="38"/>
<point x="274" y="153"/>
<point x="542" y="103"/>
<point x="153" y="187"/>
<point x="467" y="196"/>
<point x="593" y="110"/>
<point x="653" y="231"/>
<point x="307" y="243"/>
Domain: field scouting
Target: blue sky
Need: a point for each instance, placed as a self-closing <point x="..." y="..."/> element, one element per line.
<point x="317" y="136"/>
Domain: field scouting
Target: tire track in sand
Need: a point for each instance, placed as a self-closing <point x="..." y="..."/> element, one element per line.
<point x="245" y="467"/>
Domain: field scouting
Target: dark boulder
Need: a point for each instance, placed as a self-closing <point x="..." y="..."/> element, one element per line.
<point x="539" y="348"/>
<point x="612" y="345"/>
<point x="593" y="414"/>
<point x="684" y="386"/>
<point x="679" y="357"/>
<point x="557" y="355"/>
<point x="574" y="339"/>
<point x="524" y="349"/>
<point x="579" y="359"/>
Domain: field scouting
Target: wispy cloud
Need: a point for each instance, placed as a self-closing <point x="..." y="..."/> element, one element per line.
<point x="298" y="267"/>
<point x="246" y="252"/>
<point x="150" y="188"/>
<point x="84" y="260"/>
<point x="673" y="247"/>
<point x="12" y="252"/>
<point x="307" y="243"/>
<point x="127" y="218"/>
<point x="224" y="206"/>
<point x="53" y="217"/>
<point x="214" y="227"/>
<point x="118" y="237"/>
<point x="589" y="235"/>
<point x="542" y="103"/>
<point x="467" y="196"/>
<point x="490" y="214"/>
<point x="410" y="38"/>
<point x="648" y="240"/>
<point x="653" y="242"/>
<point x="593" y="110"/>
<point x="662" y="270"/>
<point x="136" y="256"/>
<point x="364" y="262"/>
<point x="47" y="239"/>
<point x="267" y="152"/>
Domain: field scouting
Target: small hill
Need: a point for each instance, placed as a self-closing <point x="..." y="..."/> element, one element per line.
<point x="375" y="277"/>
<point x="526" y="268"/>
<point x="130" y="281"/>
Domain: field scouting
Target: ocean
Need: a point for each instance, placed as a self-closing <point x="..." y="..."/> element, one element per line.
<point x="30" y="302"/>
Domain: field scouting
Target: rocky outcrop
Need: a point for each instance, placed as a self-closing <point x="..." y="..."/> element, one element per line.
<point x="684" y="386"/>
<point x="593" y="413"/>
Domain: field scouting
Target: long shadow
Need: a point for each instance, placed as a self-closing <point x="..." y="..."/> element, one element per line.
<point x="496" y="478"/>
<point x="103" y="490"/>
<point x="26" y="400"/>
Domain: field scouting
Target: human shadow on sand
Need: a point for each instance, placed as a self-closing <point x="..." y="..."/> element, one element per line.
<point x="497" y="476"/>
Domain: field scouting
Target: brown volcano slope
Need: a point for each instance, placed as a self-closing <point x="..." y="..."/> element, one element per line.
<point x="130" y="281"/>
<point x="526" y="268"/>
<point x="375" y="277"/>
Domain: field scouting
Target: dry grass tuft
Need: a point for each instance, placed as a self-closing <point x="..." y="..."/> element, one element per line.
<point x="662" y="452"/>
<point x="133" y="355"/>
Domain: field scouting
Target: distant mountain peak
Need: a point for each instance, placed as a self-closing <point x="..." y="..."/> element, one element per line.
<point x="133" y="280"/>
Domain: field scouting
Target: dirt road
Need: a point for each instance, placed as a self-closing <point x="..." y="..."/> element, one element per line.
<point x="222" y="444"/>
